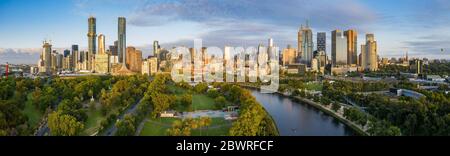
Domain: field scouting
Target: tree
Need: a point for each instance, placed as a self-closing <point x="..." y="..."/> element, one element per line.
<point x="213" y="93"/>
<point x="180" y="128"/>
<point x="64" y="125"/>
<point x="72" y="108"/>
<point x="126" y="127"/>
<point x="220" y="102"/>
<point x="186" y="101"/>
<point x="204" y="122"/>
<point x="161" y="102"/>
<point x="383" y="128"/>
<point x="336" y="106"/>
<point x="201" y="88"/>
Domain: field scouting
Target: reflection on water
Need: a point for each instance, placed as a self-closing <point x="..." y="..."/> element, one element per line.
<point x="298" y="119"/>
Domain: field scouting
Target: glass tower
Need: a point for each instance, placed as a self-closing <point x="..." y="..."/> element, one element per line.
<point x="122" y="44"/>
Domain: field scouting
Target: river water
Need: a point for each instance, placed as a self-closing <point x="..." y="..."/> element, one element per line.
<point x="298" y="119"/>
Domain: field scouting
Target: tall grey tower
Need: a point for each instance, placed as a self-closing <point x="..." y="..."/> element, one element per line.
<point x="92" y="35"/>
<point x="122" y="42"/>
<point x="305" y="39"/>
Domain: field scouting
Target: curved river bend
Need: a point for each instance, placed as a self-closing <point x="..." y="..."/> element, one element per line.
<point x="298" y="119"/>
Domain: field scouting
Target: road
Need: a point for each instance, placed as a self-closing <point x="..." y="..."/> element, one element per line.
<point x="43" y="130"/>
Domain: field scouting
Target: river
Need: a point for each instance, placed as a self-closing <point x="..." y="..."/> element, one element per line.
<point x="298" y="119"/>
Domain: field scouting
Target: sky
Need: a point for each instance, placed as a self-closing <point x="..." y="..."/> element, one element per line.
<point x="421" y="27"/>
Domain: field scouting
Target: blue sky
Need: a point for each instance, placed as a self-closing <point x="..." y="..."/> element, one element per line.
<point x="420" y="26"/>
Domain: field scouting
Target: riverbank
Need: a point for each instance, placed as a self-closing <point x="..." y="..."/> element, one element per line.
<point x="353" y="126"/>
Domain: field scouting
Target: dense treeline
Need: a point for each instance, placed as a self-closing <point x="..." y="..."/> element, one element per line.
<point x="437" y="68"/>
<point x="253" y="119"/>
<point x="13" y="93"/>
<point x="428" y="116"/>
<point x="153" y="102"/>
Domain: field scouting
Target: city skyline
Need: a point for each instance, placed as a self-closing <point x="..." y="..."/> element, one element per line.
<point x="66" y="25"/>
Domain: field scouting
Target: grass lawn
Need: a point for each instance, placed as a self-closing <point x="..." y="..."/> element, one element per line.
<point x="32" y="112"/>
<point x="202" y="102"/>
<point x="314" y="86"/>
<point x="93" y="121"/>
<point x="176" y="90"/>
<point x="158" y="127"/>
<point x="199" y="101"/>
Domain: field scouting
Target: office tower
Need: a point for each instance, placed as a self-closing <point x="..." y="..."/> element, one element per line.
<point x="101" y="44"/>
<point x="363" y="57"/>
<point x="322" y="41"/>
<point x="92" y="35"/>
<point x="102" y="62"/>
<point x="66" y="52"/>
<point x="87" y="60"/>
<point x="45" y="58"/>
<point x="59" y="62"/>
<point x="371" y="50"/>
<point x="305" y="41"/>
<point x="289" y="56"/>
<point x="53" y="61"/>
<point x="156" y="48"/>
<point x="338" y="48"/>
<point x="270" y="42"/>
<point x="75" y="57"/>
<point x="121" y="47"/>
<point x="352" y="44"/>
<point x="134" y="59"/>
<point x="113" y="49"/>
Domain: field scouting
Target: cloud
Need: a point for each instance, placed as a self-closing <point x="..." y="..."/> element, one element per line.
<point x="430" y="45"/>
<point x="322" y="13"/>
<point x="251" y="22"/>
<point x="19" y="56"/>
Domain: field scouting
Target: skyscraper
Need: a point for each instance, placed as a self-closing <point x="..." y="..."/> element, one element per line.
<point x="156" y="48"/>
<point x="134" y="59"/>
<point x="122" y="43"/>
<point x="113" y="49"/>
<point x="101" y="44"/>
<point x="322" y="41"/>
<point x="352" y="44"/>
<point x="289" y="55"/>
<point x="66" y="52"/>
<point x="92" y="35"/>
<point x="371" y="50"/>
<point x="102" y="62"/>
<point x="305" y="41"/>
<point x="364" y="57"/>
<point x="75" y="56"/>
<point x="338" y="48"/>
<point x="45" y="61"/>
